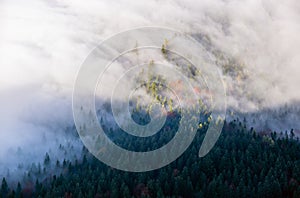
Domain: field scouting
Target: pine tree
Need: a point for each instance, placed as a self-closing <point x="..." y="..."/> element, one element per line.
<point x="4" y="188"/>
<point x="47" y="160"/>
<point x="19" y="190"/>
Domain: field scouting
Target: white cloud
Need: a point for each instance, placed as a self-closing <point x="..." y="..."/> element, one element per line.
<point x="43" y="43"/>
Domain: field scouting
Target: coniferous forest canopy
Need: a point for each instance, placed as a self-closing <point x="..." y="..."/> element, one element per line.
<point x="244" y="163"/>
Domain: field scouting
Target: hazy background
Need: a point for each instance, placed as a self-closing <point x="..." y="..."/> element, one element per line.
<point x="43" y="43"/>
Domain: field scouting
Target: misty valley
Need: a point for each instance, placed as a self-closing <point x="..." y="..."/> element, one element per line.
<point x="149" y="99"/>
<point x="244" y="163"/>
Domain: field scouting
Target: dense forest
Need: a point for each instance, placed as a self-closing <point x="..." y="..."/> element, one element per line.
<point x="70" y="68"/>
<point x="243" y="163"/>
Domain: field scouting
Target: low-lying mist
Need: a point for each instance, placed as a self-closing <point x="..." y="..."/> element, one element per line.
<point x="43" y="43"/>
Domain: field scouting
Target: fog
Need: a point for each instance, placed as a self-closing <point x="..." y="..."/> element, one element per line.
<point x="44" y="42"/>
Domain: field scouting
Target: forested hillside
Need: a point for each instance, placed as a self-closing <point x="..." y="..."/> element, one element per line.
<point x="243" y="163"/>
